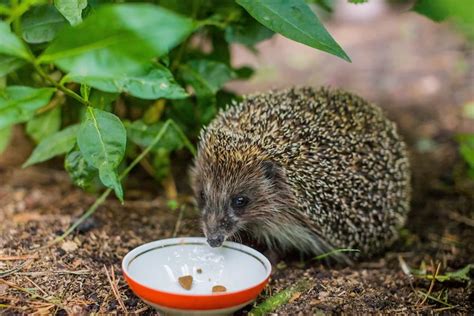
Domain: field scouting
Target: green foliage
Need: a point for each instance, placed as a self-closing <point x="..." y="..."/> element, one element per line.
<point x="295" y="20"/>
<point x="459" y="11"/>
<point x="117" y="39"/>
<point x="11" y="45"/>
<point x="57" y="144"/>
<point x="123" y="72"/>
<point x="102" y="140"/>
<point x="71" y="9"/>
<point x="247" y="32"/>
<point x="460" y="275"/>
<point x="9" y="64"/>
<point x="41" y="24"/>
<point x="82" y="174"/>
<point x="5" y="134"/>
<point x="152" y="83"/>
<point x="18" y="104"/>
<point x="279" y="299"/>
<point x="466" y="148"/>
<point x="45" y="124"/>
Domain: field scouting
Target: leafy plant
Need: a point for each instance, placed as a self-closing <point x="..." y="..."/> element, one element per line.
<point x="97" y="81"/>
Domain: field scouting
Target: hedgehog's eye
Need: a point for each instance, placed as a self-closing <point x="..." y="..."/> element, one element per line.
<point x="239" y="202"/>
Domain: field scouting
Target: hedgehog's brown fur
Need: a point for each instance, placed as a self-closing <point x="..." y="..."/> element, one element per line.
<point x="324" y="169"/>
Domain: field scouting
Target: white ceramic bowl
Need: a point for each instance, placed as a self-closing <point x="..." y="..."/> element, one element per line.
<point x="152" y="271"/>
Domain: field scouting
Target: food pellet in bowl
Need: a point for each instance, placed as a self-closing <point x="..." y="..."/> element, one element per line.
<point x="199" y="270"/>
<point x="218" y="289"/>
<point x="186" y="282"/>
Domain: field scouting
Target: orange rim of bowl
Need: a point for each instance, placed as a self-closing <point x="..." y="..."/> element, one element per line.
<point x="196" y="301"/>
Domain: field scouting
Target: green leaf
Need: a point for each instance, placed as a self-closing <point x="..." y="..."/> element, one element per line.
<point x="117" y="39"/>
<point x="206" y="76"/>
<point x="461" y="275"/>
<point x="82" y="174"/>
<point x="110" y="179"/>
<point x="247" y="32"/>
<point x="18" y="104"/>
<point x="41" y="24"/>
<point x="102" y="140"/>
<point x="10" y="44"/>
<point x="467" y="148"/>
<point x="244" y="72"/>
<point x="9" y="64"/>
<point x="143" y="134"/>
<point x="56" y="144"/>
<point x="5" y="134"/>
<point x="440" y="10"/>
<point x="102" y="100"/>
<point x="71" y="9"/>
<point x="45" y="124"/>
<point x="154" y="83"/>
<point x="295" y="20"/>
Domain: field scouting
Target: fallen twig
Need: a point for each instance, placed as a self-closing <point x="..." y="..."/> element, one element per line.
<point x="20" y="257"/>
<point x="33" y="295"/>
<point x="423" y="294"/>
<point x="178" y="221"/>
<point x="37" y="286"/>
<point x="15" y="269"/>
<point x="40" y="273"/>
<point x="431" y="285"/>
<point x="113" y="285"/>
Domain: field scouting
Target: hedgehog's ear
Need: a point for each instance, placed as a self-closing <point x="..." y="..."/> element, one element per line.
<point x="272" y="171"/>
<point x="269" y="169"/>
<point x="276" y="175"/>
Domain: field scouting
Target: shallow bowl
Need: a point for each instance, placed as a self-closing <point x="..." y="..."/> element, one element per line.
<point x="152" y="271"/>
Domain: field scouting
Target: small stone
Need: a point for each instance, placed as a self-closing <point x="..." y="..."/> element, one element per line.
<point x="69" y="246"/>
<point x="3" y="289"/>
<point x="295" y="297"/>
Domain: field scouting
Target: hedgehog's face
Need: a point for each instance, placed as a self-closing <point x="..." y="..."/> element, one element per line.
<point x="231" y="196"/>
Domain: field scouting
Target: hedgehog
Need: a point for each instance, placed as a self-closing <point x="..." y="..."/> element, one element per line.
<point x="313" y="170"/>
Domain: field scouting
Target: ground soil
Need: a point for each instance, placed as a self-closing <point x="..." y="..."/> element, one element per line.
<point x="419" y="72"/>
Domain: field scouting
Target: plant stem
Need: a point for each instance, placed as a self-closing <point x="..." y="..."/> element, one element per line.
<point x="56" y="101"/>
<point x="66" y="91"/>
<point x="106" y="193"/>
<point x="15" y="19"/>
<point x="184" y="138"/>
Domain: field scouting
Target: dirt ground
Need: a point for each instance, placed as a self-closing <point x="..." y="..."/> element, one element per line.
<point x="421" y="73"/>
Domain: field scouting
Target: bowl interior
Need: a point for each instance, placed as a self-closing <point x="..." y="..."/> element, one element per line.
<point x="158" y="265"/>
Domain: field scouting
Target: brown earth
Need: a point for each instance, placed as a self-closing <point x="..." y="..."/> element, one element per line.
<point x="421" y="73"/>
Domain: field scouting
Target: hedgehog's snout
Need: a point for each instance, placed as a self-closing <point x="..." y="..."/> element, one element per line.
<point x="215" y="240"/>
<point x="217" y="227"/>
